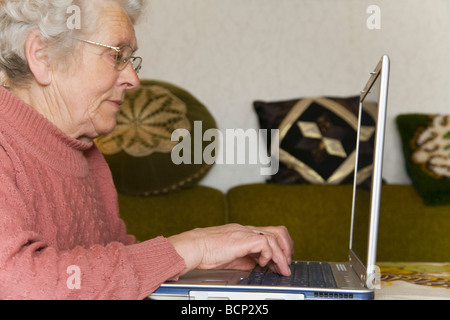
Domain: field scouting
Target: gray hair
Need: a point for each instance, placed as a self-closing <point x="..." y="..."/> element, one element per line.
<point x="19" y="18"/>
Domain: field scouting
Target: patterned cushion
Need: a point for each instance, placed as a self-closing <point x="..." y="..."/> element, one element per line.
<point x="317" y="138"/>
<point x="138" y="151"/>
<point x="426" y="148"/>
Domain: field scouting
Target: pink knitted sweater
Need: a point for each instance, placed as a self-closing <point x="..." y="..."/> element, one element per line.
<point x="60" y="232"/>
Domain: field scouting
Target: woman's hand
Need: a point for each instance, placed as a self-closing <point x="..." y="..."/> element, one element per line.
<point x="234" y="246"/>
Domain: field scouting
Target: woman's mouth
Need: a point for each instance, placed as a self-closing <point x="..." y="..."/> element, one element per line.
<point x="116" y="103"/>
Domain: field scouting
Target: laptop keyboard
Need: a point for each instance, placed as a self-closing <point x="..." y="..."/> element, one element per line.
<point x="303" y="274"/>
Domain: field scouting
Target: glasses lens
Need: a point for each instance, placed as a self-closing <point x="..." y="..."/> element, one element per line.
<point x="137" y="63"/>
<point x="123" y="57"/>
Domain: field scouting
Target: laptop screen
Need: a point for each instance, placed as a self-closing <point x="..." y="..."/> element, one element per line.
<point x="364" y="165"/>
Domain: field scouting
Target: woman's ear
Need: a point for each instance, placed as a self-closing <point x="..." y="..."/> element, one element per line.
<point x="36" y="52"/>
<point x="4" y="82"/>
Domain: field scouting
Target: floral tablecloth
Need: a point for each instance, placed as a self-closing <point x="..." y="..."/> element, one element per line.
<point x="413" y="281"/>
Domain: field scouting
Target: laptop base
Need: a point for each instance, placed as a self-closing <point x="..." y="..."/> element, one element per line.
<point x="224" y="285"/>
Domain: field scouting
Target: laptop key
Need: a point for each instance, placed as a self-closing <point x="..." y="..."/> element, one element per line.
<point x="316" y="275"/>
<point x="301" y="275"/>
<point x="271" y="279"/>
<point x="328" y="276"/>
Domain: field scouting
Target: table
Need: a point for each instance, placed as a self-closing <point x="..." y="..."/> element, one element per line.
<point x="413" y="281"/>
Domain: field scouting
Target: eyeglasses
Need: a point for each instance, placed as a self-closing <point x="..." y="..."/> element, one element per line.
<point x="122" y="58"/>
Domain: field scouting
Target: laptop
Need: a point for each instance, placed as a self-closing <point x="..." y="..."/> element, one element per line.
<point x="354" y="279"/>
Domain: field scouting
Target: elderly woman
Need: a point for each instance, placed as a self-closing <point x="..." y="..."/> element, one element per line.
<point x="61" y="88"/>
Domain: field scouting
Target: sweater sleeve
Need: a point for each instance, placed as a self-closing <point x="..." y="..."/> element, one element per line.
<point x="31" y="268"/>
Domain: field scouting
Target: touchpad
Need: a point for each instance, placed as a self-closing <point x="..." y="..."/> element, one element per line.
<point x="213" y="277"/>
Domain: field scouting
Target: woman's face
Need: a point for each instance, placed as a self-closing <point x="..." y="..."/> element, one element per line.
<point x="92" y="90"/>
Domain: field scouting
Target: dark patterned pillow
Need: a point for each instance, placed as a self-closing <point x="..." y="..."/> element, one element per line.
<point x="139" y="150"/>
<point x="317" y="138"/>
<point x="426" y="148"/>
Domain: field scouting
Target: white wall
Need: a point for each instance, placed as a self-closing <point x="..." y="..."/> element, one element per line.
<point x="229" y="53"/>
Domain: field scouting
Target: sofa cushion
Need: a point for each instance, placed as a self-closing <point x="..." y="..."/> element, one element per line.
<point x="318" y="218"/>
<point x="409" y="230"/>
<point x="169" y="214"/>
<point x="139" y="150"/>
<point x="426" y="149"/>
<point x="317" y="138"/>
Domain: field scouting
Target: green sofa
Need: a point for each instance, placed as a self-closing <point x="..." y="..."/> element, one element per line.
<point x="159" y="197"/>
<point x="318" y="217"/>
